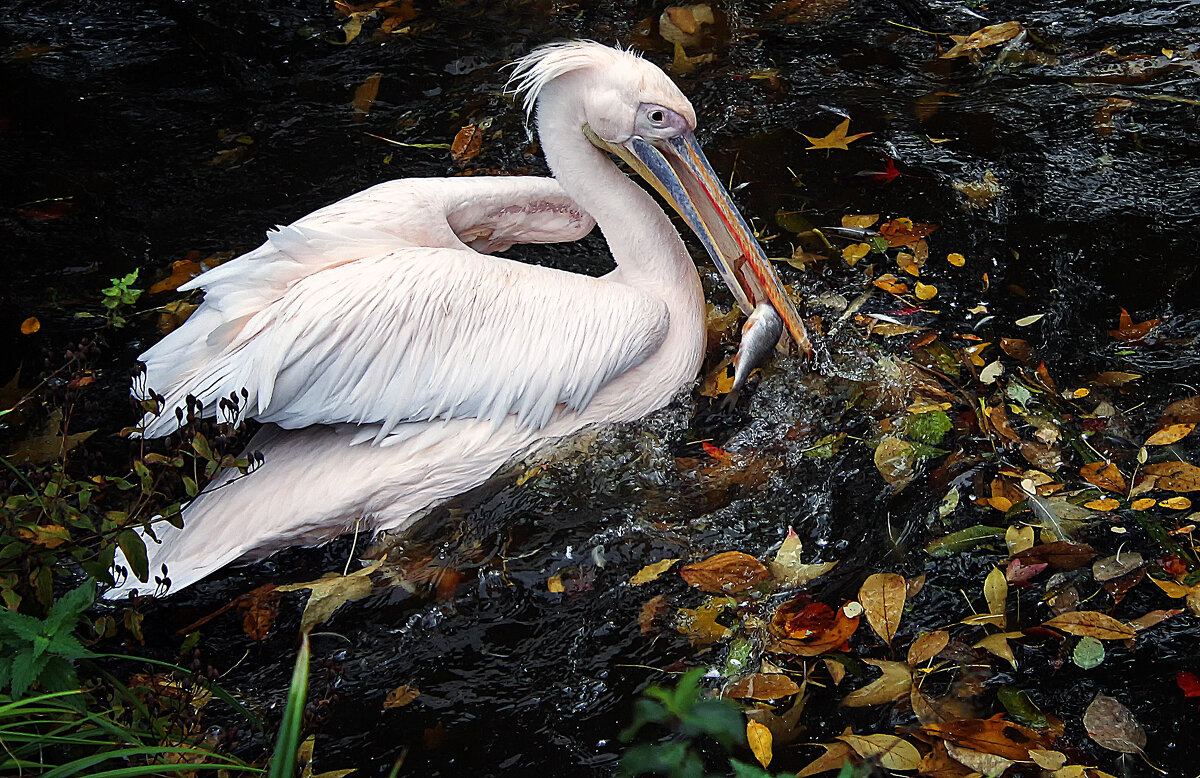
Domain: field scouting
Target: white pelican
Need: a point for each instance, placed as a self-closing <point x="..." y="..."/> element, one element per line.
<point x="396" y="364"/>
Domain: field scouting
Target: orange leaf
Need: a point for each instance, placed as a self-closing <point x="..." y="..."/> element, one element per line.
<point x="818" y="632"/>
<point x="762" y="686"/>
<point x="467" y="143"/>
<point x="1174" y="476"/>
<point x="725" y="573"/>
<point x="905" y="232"/>
<point x="990" y="736"/>
<point x="1172" y="433"/>
<point x="1129" y="332"/>
<point x="1104" y="475"/>
<point x="400" y="696"/>
<point x="30" y="326"/>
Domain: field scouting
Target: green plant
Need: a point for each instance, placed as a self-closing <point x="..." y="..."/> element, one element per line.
<point x="691" y="720"/>
<point x="119" y="296"/>
<point x="41" y="652"/>
<point x="287" y="744"/>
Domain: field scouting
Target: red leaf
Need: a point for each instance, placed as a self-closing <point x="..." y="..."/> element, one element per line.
<point x="1189" y="682"/>
<point x="889" y="174"/>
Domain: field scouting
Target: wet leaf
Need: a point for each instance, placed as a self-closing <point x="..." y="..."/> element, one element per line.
<point x="700" y="624"/>
<point x="895" y="459"/>
<point x="1188" y="682"/>
<point x="1092" y="624"/>
<point x="882" y="596"/>
<point x="651" y="572"/>
<point x="855" y="252"/>
<point x="1128" y="332"/>
<point x="1112" y="726"/>
<point x="893" y="753"/>
<point x="726" y="573"/>
<point x="1047" y="760"/>
<point x="996" y="736"/>
<point x="1104" y="475"/>
<point x="925" y="291"/>
<point x="49" y="445"/>
<point x="894" y="684"/>
<point x="980" y="194"/>
<point x="1175" y="503"/>
<point x="982" y="763"/>
<point x="762" y="686"/>
<point x="1022" y="709"/>
<point x="1025" y="321"/>
<point x="331" y="592"/>
<point x="905" y="232"/>
<point x="30" y="326"/>
<point x="1174" y="476"/>
<point x="1172" y="433"/>
<point x="554" y="584"/>
<point x="1116" y="566"/>
<point x="1018" y="538"/>
<point x="927" y="646"/>
<point x="400" y="696"/>
<point x="1061" y="555"/>
<point x="812" y="629"/>
<point x="964" y="539"/>
<point x="261" y="607"/>
<point x="364" y="96"/>
<point x="958" y="260"/>
<point x="1088" y="653"/>
<point x="174" y="314"/>
<point x="838" y="139"/>
<point x="467" y="143"/>
<point x="651" y="611"/>
<point x="1186" y="411"/>
<point x="787" y="567"/>
<point x="997" y="645"/>
<point x="939" y="764"/>
<point x="836" y="755"/>
<point x="860" y="221"/>
<point x="995" y="591"/>
<point x="759" y="738"/>
<point x="683" y="25"/>
<point x="983" y="38"/>
<point x="1104" y="504"/>
<point x="889" y="283"/>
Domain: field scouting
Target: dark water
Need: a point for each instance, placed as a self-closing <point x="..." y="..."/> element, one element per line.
<point x="113" y="132"/>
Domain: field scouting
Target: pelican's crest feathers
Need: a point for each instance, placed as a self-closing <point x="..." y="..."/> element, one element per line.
<point x="539" y="67"/>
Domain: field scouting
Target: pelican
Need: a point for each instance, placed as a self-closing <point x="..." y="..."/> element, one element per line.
<point x="395" y="362"/>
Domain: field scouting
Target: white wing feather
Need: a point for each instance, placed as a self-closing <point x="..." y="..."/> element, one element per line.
<point x="420" y="334"/>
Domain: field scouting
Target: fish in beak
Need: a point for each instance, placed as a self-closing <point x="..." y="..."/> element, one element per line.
<point x="679" y="171"/>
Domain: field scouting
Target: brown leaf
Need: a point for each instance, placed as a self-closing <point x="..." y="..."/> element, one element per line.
<point x="1112" y="726"/>
<point x="400" y="696"/>
<point x="1116" y="566"/>
<point x="812" y="629"/>
<point x="467" y="143"/>
<point x="762" y="686"/>
<point x="893" y="685"/>
<point x="1129" y="332"/>
<point x="651" y="611"/>
<point x="1174" y="476"/>
<point x="1186" y="411"/>
<point x="882" y="596"/>
<point x="261" y="606"/>
<point x="938" y="764"/>
<point x="838" y="139"/>
<point x="174" y="314"/>
<point x="364" y="96"/>
<point x="49" y="445"/>
<point x="726" y="573"/>
<point x="896" y="460"/>
<point x="990" y="736"/>
<point x="927" y="646"/>
<point x="1104" y="475"/>
<point x="982" y="763"/>
<point x="1061" y="555"/>
<point x="981" y="39"/>
<point x="1092" y="624"/>
<point x="1113" y="378"/>
<point x="700" y="624"/>
<point x="904" y="232"/>
<point x="836" y="755"/>
<point x="1017" y="348"/>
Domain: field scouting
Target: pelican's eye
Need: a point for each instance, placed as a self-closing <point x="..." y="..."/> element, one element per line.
<point x="655" y="121"/>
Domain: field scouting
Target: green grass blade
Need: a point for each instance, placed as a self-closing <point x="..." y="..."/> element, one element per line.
<point x="283" y="762"/>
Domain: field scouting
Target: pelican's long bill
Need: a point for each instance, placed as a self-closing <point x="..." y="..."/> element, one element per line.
<point x="679" y="171"/>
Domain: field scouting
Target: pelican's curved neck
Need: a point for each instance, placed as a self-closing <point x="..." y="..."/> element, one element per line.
<point x="641" y="237"/>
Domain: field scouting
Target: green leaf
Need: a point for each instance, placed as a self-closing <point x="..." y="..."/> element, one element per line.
<point x="1088" y="653"/>
<point x="928" y="428"/>
<point x="964" y="539"/>
<point x="25" y="671"/>
<point x="1021" y="707"/>
<point x="58" y="675"/>
<point x="133" y="546"/>
<point x="67" y="609"/>
<point x="283" y="761"/>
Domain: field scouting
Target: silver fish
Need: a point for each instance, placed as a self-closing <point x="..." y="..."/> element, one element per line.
<point x="760" y="335"/>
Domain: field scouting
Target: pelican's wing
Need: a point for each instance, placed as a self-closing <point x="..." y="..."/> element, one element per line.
<point x="488" y="213"/>
<point x="419" y="334"/>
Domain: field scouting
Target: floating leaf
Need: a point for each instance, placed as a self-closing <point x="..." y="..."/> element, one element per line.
<point x="787" y="567"/>
<point x="980" y="194"/>
<point x="958" y="260"/>
<point x="855" y="252"/>
<point x="1092" y="624"/>
<point x="838" y="139"/>
<point x="925" y="291"/>
<point x="726" y="573"/>
<point x="882" y="596"/>
<point x="759" y="738"/>
<point x="1112" y="726"/>
<point x="762" y="686"/>
<point x="1174" y="476"/>
<point x="1116" y="566"/>
<point x="332" y="592"/>
<point x="905" y="232"/>
<point x="30" y="326"/>
<point x="1025" y="321"/>
<point x="964" y="539"/>
<point x="892" y="753"/>
<point x="400" y="696"/>
<point x="1104" y="475"/>
<point x="895" y="459"/>
<point x="927" y="646"/>
<point x="467" y="144"/>
<point x="893" y="685"/>
<point x="1172" y="433"/>
<point x="1128" y="332"/>
<point x="364" y="96"/>
<point x="836" y="755"/>
<point x="995" y="591"/>
<point x="1005" y="739"/>
<point x="651" y="572"/>
<point x="1088" y="653"/>
<point x="983" y="38"/>
<point x="700" y="624"/>
<point x="812" y="629"/>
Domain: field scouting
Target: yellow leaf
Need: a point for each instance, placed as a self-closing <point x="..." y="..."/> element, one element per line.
<point x="860" y="221"/>
<point x="926" y="291"/>
<point x="889" y="283"/>
<point x="400" y="696"/>
<point x="30" y="326"/>
<point x="997" y="645"/>
<point x="836" y="755"/>
<point x="651" y="572"/>
<point x="892" y="752"/>
<point x="855" y="252"/>
<point x="1018" y="538"/>
<point x="1176" y="503"/>
<point x="981" y="39"/>
<point x="332" y="592"/>
<point x="893" y="685"/>
<point x="882" y="596"/>
<point x="554" y="584"/>
<point x="958" y="260"/>
<point x="1103" y="504"/>
<point x="759" y="738"/>
<point x="1046" y="759"/>
<point x="364" y="96"/>
<point x="895" y="459"/>
<point x="838" y="139"/>
<point x="995" y="591"/>
<point x="1144" y="504"/>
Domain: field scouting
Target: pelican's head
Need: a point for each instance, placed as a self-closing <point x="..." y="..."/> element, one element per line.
<point x="632" y="109"/>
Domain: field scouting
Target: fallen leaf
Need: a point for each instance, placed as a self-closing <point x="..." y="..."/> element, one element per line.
<point x="1174" y="476"/>
<point x="895" y="459"/>
<point x="1112" y="726"/>
<point x="996" y="736"/>
<point x="651" y="611"/>
<point x="982" y="38"/>
<point x="835" y="756"/>
<point x="700" y="624"/>
<point x="905" y="232"/>
<point x="1088" y="653"/>
<point x="759" y="738"/>
<point x="889" y="283"/>
<point x="683" y="25"/>
<point x="30" y="326"/>
<point x="1116" y="566"/>
<point x="364" y="96"/>
<point x="1175" y="503"/>
<point x="958" y="260"/>
<point x="1018" y="538"/>
<point x="995" y="591"/>
<point x="882" y="596"/>
<point x="554" y="584"/>
<point x="927" y="646"/>
<point x="1186" y="411"/>
<point x="261" y="606"/>
<point x="400" y="696"/>
<point x="1144" y="504"/>
<point x="855" y="252"/>
<point x="980" y="762"/>
<point x="925" y="291"/>
<point x="860" y="221"/>
<point x="812" y="629"/>
<point x="762" y="686"/>
<point x="467" y="144"/>
<point x="1104" y="504"/>
<point x="331" y="592"/>
<point x="726" y="573"/>
<point x="939" y="764"/>
<point x="1172" y="433"/>
<point x="1025" y="321"/>
<point x="1104" y="475"/>
<point x="997" y="645"/>
<point x="1148" y="620"/>
<point x="787" y="567"/>
<point x="49" y="445"/>
<point x="893" y="685"/>
<point x="651" y="572"/>
<point x="980" y="194"/>
<point x="174" y="314"/>
<point x="1128" y="332"/>
<point x="838" y="139"/>
<point x="892" y="753"/>
<point x="1092" y="624"/>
